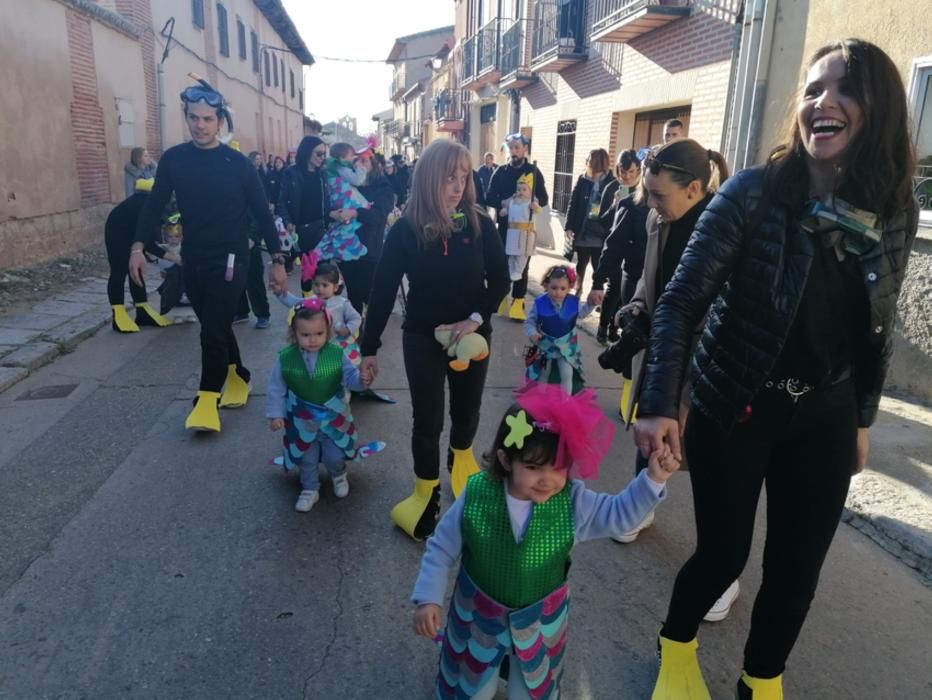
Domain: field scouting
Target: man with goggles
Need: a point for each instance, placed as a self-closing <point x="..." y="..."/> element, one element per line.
<point x="214" y="186"/>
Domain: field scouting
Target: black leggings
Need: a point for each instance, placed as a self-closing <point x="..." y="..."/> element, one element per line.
<point x="118" y="245"/>
<point x="428" y="369"/>
<point x="358" y="277"/>
<point x="586" y="256"/>
<point x="215" y="301"/>
<point x="611" y="302"/>
<point x="518" y="287"/>
<point x="255" y="295"/>
<point x="804" y="453"/>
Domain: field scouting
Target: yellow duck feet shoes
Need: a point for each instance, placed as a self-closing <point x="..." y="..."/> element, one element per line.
<point x="503" y="307"/>
<point x="516" y="312"/>
<point x="462" y="465"/>
<point x="750" y="688"/>
<point x="147" y="316"/>
<point x="235" y="390"/>
<point x="204" y="416"/>
<point x="680" y="677"/>
<point x="121" y="320"/>
<point x="417" y="515"/>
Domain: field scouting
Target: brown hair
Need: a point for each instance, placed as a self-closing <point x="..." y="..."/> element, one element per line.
<point x="426" y="210"/>
<point x="598" y="162"/>
<point x="305" y="314"/>
<point x="881" y="158"/>
<point x="689" y="155"/>
<point x="135" y="156"/>
<point x="540" y="447"/>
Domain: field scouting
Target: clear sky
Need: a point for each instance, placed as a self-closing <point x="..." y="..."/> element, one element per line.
<point x="357" y="29"/>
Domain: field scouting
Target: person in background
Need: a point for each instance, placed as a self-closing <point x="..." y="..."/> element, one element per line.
<point x="255" y="296"/>
<point x="140" y="167"/>
<point x="485" y="171"/>
<point x="673" y="130"/>
<point x="273" y="182"/>
<point x="586" y="215"/>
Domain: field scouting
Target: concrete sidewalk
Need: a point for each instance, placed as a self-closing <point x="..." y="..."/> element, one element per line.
<point x="891" y="501"/>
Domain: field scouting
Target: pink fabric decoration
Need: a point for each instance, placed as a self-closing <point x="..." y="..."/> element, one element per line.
<point x="314" y="304"/>
<point x="309" y="265"/>
<point x="585" y="433"/>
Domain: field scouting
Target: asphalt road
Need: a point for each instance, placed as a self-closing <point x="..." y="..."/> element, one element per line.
<point x="140" y="561"/>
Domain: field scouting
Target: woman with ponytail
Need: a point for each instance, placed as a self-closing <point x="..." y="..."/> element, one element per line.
<point x="457" y="274"/>
<point x="798" y="266"/>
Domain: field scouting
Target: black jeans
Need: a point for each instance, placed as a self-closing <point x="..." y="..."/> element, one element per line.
<point x="118" y="245"/>
<point x="215" y="301"/>
<point x="428" y="369"/>
<point x="358" y="277"/>
<point x="255" y="294"/>
<point x="586" y="256"/>
<point x="611" y="302"/>
<point x="804" y="453"/>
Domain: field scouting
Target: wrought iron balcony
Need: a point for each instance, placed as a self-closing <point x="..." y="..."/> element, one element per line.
<point x="449" y="112"/>
<point x="393" y="127"/>
<point x="469" y="60"/>
<point x="515" y="72"/>
<point x="623" y="20"/>
<point x="487" y="48"/>
<point x="559" y="39"/>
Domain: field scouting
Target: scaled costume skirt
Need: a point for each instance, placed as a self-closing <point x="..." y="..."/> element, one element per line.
<point x="566" y="347"/>
<point x="307" y="422"/>
<point x="350" y="348"/>
<point x="481" y="631"/>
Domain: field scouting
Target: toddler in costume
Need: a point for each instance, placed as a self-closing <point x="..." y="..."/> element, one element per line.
<point x="513" y="529"/>
<point x="172" y="287"/>
<point x="521" y="241"/>
<point x="307" y="398"/>
<point x="327" y="285"/>
<point x="340" y="242"/>
<point x="551" y="326"/>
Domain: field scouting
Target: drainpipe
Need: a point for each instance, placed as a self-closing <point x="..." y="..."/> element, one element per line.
<point x="160" y="91"/>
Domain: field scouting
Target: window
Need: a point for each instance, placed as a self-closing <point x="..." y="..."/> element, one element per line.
<point x="197" y="13"/>
<point x="268" y="73"/>
<point x="920" y="97"/>
<point x="223" y="30"/>
<point x="241" y="38"/>
<point x="274" y="71"/>
<point x="281" y="64"/>
<point x="563" y="169"/>
<point x="648" y="126"/>
<point x="254" y="40"/>
<point x="301" y="99"/>
<point x="291" y="75"/>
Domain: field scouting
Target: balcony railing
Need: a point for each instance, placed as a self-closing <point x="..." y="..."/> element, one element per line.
<point x="449" y="112"/>
<point x="623" y="20"/>
<point x="398" y="85"/>
<point x="515" y="72"/>
<point x="922" y="188"/>
<point x="393" y="127"/>
<point x="559" y="34"/>
<point x="488" y="46"/>
<point x="469" y="59"/>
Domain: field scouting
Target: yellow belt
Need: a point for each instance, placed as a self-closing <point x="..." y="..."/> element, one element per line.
<point x="522" y="225"/>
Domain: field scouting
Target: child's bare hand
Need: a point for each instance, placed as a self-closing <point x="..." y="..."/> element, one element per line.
<point x="661" y="465"/>
<point x="343" y="332"/>
<point x="427" y="619"/>
<point x="503" y="212"/>
<point x="535" y="338"/>
<point x="276" y="424"/>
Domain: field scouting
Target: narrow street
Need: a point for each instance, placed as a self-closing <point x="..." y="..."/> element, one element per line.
<point x="141" y="561"/>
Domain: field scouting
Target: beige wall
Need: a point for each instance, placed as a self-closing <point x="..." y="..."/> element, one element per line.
<point x="37" y="157"/>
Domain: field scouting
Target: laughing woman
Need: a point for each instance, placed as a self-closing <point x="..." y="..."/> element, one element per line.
<point x="457" y="274"/>
<point x="802" y="263"/>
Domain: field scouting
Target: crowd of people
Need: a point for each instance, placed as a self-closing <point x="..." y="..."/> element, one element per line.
<point x="777" y="285"/>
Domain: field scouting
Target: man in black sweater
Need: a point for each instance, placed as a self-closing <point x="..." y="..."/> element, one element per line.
<point x="503" y="185"/>
<point x="214" y="187"/>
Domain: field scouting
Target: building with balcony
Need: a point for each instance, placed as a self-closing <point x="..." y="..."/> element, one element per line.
<point x="412" y="78"/>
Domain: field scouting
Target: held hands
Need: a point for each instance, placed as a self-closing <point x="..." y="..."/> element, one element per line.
<point x="369" y="369"/>
<point x="535" y="338"/>
<point x="661" y="465"/>
<point x="343" y="215"/>
<point x="503" y="212"/>
<point x="595" y="297"/>
<point x="343" y="332"/>
<point x="459" y="329"/>
<point x="658" y="434"/>
<point x="278" y="280"/>
<point x="276" y="424"/>
<point x="535" y="207"/>
<point x="427" y="620"/>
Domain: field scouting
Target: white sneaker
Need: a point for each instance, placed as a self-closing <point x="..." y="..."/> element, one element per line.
<point x="719" y="611"/>
<point x="306" y="501"/>
<point x="631" y="535"/>
<point x="340" y="486"/>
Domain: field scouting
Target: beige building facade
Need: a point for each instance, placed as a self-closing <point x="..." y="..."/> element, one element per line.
<point x="81" y="88"/>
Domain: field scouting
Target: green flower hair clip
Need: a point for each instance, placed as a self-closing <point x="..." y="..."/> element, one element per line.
<point x="520" y="429"/>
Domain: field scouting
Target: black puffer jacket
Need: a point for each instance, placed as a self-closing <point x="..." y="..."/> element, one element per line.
<point x="756" y="279"/>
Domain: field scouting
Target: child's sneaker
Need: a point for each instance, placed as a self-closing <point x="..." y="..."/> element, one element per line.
<point x="341" y="486"/>
<point x="263" y="322"/>
<point x="306" y="501"/>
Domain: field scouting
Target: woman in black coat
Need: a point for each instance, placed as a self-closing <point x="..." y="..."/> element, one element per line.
<point x="788" y="374"/>
<point x="380" y="193"/>
<point x="585" y="226"/>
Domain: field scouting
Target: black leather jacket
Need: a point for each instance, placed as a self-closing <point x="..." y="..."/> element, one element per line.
<point x="753" y="280"/>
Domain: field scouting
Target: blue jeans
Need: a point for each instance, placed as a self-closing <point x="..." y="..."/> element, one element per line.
<point x="321" y="450"/>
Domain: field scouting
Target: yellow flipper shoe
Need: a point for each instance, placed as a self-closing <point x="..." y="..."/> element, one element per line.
<point x="235" y="390"/>
<point x="760" y="688"/>
<point x="462" y="466"/>
<point x="626" y="388"/>
<point x="503" y="307"/>
<point x="516" y="312"/>
<point x="121" y="320"/>
<point x="147" y="316"/>
<point x="205" y="416"/>
<point x="680" y="677"/>
<point x="417" y="514"/>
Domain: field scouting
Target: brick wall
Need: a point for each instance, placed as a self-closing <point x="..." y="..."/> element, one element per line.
<point x="87" y="119"/>
<point x="139" y="13"/>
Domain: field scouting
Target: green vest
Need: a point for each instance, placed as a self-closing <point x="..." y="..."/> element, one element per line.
<point x="516" y="575"/>
<point x="328" y="373"/>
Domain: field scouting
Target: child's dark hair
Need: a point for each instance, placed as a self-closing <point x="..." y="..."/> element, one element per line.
<point x="558" y="271"/>
<point x="305" y="314"/>
<point x="539" y="448"/>
<point x="340" y="149"/>
<point x="328" y="271"/>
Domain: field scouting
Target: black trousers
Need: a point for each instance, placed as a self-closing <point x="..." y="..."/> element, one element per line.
<point x="118" y="245"/>
<point x="215" y="302"/>
<point x="803" y="452"/>
<point x="358" y="277"/>
<point x="586" y="256"/>
<point x="428" y="369"/>
<point x="611" y="302"/>
<point x="518" y="287"/>
<point x="255" y="295"/>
